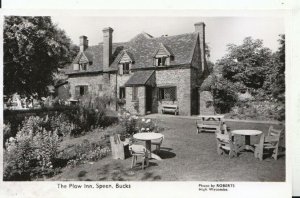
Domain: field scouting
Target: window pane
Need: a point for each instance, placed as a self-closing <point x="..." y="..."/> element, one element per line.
<point x="168" y="93"/>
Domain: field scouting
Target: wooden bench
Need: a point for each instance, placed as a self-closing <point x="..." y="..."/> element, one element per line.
<point x="170" y="109"/>
<point x="210" y="123"/>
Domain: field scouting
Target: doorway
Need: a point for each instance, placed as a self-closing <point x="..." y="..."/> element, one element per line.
<point x="148" y="99"/>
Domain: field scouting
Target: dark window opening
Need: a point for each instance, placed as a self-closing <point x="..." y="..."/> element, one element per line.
<point x="167" y="93"/>
<point x="81" y="90"/>
<point x="134" y="93"/>
<point x="161" y="61"/>
<point x="83" y="66"/>
<point x="125" y="68"/>
<point x="122" y="92"/>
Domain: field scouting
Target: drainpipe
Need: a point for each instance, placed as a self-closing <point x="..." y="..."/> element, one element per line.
<point x="117" y="89"/>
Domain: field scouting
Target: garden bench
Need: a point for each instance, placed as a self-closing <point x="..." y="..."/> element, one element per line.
<point x="170" y="109"/>
<point x="210" y="123"/>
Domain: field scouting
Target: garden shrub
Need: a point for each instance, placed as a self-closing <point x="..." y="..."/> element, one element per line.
<point x="224" y="94"/>
<point x="88" y="151"/>
<point x="128" y="123"/>
<point x="31" y="153"/>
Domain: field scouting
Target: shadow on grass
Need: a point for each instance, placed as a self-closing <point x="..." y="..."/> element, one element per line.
<point x="164" y="154"/>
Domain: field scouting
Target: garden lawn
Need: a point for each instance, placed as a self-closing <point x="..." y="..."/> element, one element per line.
<point x="187" y="156"/>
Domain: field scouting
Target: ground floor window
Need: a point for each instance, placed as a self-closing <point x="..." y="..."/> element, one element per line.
<point x="134" y="93"/>
<point x="81" y="90"/>
<point x="122" y="92"/>
<point x="167" y="93"/>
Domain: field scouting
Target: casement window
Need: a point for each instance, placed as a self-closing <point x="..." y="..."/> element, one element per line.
<point x="167" y="93"/>
<point x="134" y="93"/>
<point x="83" y="66"/>
<point x="122" y="92"/>
<point x="81" y="90"/>
<point x="125" y="68"/>
<point x="161" y="61"/>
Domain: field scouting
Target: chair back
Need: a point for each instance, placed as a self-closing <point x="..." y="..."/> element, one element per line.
<point x="273" y="134"/>
<point x="136" y="149"/>
<point x="223" y="138"/>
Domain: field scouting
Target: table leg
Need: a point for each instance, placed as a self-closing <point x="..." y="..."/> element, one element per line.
<point x="151" y="155"/>
<point x="247" y="143"/>
<point x="148" y="147"/>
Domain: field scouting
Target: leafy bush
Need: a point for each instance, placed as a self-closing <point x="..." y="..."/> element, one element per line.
<point x="224" y="94"/>
<point x="6" y="132"/>
<point x="31" y="153"/>
<point x="128" y="123"/>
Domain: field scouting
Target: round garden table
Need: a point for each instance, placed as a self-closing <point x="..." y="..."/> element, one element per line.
<point x="247" y="133"/>
<point x="147" y="137"/>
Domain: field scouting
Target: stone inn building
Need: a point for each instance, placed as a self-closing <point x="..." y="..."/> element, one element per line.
<point x="145" y="72"/>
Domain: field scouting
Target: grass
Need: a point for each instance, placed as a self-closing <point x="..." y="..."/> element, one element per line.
<point x="187" y="156"/>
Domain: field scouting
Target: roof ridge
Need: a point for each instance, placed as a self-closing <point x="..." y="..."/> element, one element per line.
<point x="175" y="35"/>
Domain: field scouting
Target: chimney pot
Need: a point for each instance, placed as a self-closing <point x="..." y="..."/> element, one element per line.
<point x="107" y="47"/>
<point x="200" y="29"/>
<point x="83" y="43"/>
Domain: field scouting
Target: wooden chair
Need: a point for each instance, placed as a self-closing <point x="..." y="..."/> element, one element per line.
<point x="268" y="142"/>
<point x="225" y="143"/>
<point x="157" y="143"/>
<point x="139" y="151"/>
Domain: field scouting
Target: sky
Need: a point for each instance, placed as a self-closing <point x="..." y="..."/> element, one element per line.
<point x="220" y="31"/>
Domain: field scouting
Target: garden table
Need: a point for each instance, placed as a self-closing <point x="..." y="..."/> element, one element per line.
<point x="247" y="133"/>
<point x="147" y="137"/>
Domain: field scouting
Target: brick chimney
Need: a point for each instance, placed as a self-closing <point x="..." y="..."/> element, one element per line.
<point x="83" y="43"/>
<point x="107" y="47"/>
<point x="200" y="28"/>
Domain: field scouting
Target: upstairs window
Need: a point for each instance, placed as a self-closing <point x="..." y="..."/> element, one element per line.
<point x="125" y="68"/>
<point x="161" y="61"/>
<point x="167" y="93"/>
<point x="162" y="56"/>
<point x="83" y="66"/>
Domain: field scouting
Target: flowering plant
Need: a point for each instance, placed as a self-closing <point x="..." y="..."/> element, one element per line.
<point x="147" y="125"/>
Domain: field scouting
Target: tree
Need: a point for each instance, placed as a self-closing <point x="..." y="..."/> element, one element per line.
<point x="34" y="48"/>
<point x="246" y="63"/>
<point x="275" y="83"/>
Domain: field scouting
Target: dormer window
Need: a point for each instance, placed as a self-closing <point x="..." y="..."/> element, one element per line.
<point x="125" y="68"/>
<point x="125" y="63"/>
<point x="83" y="66"/>
<point x="161" y="61"/>
<point x="162" y="56"/>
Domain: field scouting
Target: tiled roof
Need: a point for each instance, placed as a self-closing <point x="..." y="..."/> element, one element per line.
<point x="141" y="48"/>
<point x="139" y="78"/>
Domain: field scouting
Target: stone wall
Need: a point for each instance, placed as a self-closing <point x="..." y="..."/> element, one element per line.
<point x="92" y="81"/>
<point x="63" y="92"/>
<point x="181" y="78"/>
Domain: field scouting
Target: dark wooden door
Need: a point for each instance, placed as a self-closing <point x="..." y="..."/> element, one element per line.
<point x="149" y="99"/>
